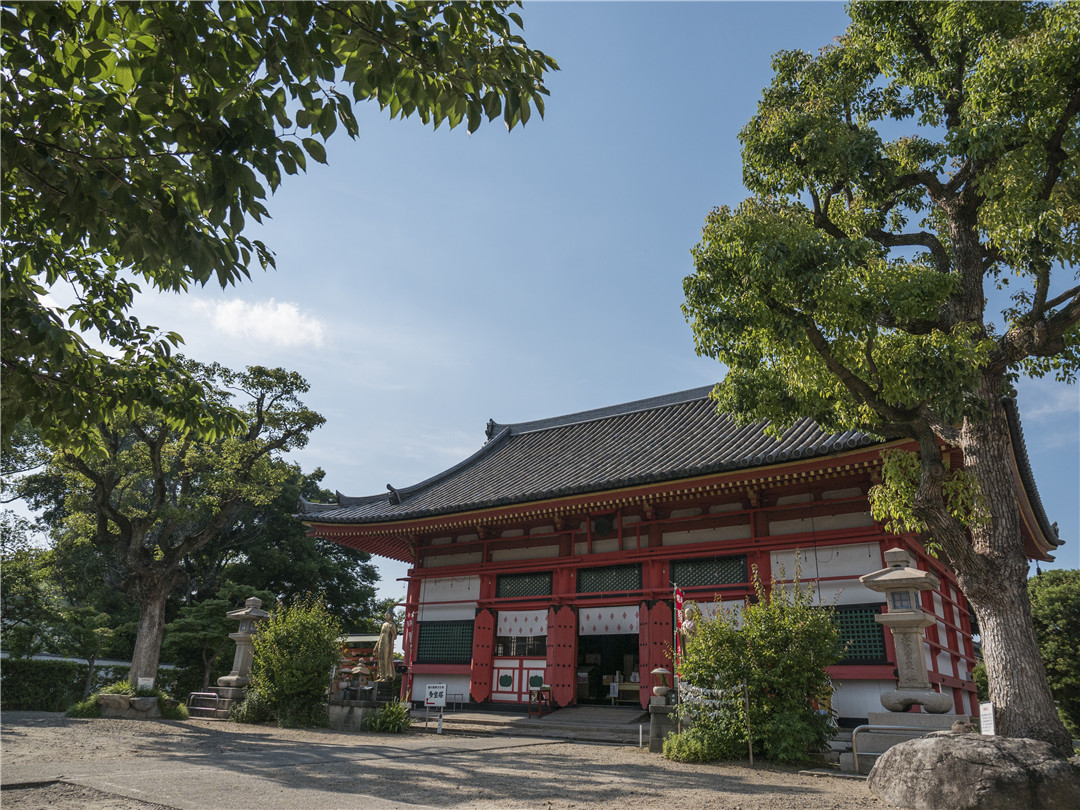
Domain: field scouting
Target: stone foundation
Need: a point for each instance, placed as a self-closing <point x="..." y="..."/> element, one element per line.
<point x="349" y="715"/>
<point x="129" y="708"/>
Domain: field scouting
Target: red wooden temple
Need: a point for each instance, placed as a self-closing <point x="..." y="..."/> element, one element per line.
<point x="549" y="556"/>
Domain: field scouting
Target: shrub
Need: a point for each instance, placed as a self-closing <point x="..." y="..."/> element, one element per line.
<point x="85" y="708"/>
<point x="252" y="709"/>
<point x="295" y="651"/>
<point x="40" y="686"/>
<point x="393" y="718"/>
<point x="779" y="648"/>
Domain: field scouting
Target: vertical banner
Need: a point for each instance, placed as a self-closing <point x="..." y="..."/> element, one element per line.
<point x="678" y="629"/>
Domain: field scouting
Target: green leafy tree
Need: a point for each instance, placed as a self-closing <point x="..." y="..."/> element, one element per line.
<point x="295" y="651"/>
<point x="27" y="602"/>
<point x="138" y="140"/>
<point x="924" y="164"/>
<point x="157" y="495"/>
<point x="1055" y="609"/>
<point x="269" y="549"/>
<point x="779" y="647"/>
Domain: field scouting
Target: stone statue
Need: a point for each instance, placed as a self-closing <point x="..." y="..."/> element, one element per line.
<point x="384" y="647"/>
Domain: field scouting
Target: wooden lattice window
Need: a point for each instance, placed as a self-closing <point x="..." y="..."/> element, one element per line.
<point x="522" y="585"/>
<point x="709" y="571"/>
<point x="609" y="578"/>
<point x="445" y="642"/>
<point x="862" y="638"/>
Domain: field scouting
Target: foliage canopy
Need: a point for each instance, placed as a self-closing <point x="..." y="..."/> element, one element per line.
<point x="924" y="166"/>
<point x="138" y="140"/>
<point x="1055" y="609"/>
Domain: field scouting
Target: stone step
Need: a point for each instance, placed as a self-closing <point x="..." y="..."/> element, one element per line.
<point x="866" y="762"/>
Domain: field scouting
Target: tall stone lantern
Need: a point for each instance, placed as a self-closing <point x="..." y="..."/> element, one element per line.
<point x="249" y="617"/>
<point x="901" y="582"/>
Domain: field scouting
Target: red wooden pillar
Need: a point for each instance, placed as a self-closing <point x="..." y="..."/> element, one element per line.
<point x="561" y="670"/>
<point x="654" y="641"/>
<point x="410" y="634"/>
<point x="483" y="647"/>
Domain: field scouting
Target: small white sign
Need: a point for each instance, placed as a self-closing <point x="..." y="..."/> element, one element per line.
<point x="986" y="718"/>
<point x="146" y="683"/>
<point x="436" y="696"/>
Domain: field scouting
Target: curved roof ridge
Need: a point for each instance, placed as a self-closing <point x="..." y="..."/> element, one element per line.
<point x="651" y="403"/>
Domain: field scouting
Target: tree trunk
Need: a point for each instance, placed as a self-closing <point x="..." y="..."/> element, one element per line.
<point x="144" y="660"/>
<point x="997" y="589"/>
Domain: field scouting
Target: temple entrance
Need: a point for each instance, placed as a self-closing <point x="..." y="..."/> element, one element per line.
<point x="607" y="669"/>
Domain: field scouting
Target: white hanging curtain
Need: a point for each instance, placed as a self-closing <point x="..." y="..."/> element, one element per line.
<point x="608" y="621"/>
<point x="520" y="623"/>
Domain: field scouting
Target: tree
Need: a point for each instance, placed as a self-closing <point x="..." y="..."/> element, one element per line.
<point x="1055" y="609"/>
<point x="295" y="651"/>
<point x="852" y="288"/>
<point x="779" y="647"/>
<point x="138" y="139"/>
<point x="26" y="602"/>
<point x="157" y="495"/>
<point x="269" y="549"/>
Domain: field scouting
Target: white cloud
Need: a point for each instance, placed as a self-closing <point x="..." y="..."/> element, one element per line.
<point x="269" y="322"/>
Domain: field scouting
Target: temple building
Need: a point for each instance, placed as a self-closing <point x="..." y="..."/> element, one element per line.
<point x="549" y="556"/>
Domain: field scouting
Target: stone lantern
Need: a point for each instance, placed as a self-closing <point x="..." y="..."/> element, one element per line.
<point x="249" y="616"/>
<point x="901" y="583"/>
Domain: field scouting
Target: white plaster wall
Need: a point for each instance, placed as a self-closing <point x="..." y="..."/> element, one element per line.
<point x="531" y="553"/>
<point x="850" y="492"/>
<point x="847" y="592"/>
<point x="716" y="508"/>
<point x="462" y="592"/>
<point x="469" y="557"/>
<point x="850" y="520"/>
<point x="853" y="560"/>
<point x="859" y="698"/>
<point x="455" y="685"/>
<point x="738" y="532"/>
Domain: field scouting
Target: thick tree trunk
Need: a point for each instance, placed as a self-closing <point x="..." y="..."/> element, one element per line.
<point x="144" y="660"/>
<point x="996" y="585"/>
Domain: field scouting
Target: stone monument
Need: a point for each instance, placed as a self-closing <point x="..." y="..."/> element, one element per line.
<point x="901" y="583"/>
<point x="249" y="616"/>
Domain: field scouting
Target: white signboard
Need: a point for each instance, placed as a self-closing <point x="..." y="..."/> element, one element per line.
<point x="146" y="683"/>
<point x="436" y="696"/>
<point x="986" y="718"/>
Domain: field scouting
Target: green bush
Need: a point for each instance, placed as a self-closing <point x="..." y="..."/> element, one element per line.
<point x="252" y="709"/>
<point x="85" y="708"/>
<point x="393" y="718"/>
<point x="295" y="651"/>
<point x="40" y="686"/>
<point x="779" y="648"/>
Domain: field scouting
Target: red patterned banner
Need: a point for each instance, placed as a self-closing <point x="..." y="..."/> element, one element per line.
<point x="679" y="601"/>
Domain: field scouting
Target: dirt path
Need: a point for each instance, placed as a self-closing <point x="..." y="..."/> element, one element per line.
<point x="50" y="761"/>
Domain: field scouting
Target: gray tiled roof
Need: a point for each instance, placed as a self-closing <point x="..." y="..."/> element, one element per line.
<point x="648" y="441"/>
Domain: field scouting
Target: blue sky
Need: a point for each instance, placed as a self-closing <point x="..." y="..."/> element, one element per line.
<point x="430" y="280"/>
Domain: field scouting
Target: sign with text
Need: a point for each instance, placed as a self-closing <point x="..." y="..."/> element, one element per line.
<point x="986" y="718"/>
<point x="436" y="696"/>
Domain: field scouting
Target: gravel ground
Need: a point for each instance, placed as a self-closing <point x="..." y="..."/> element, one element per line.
<point x="66" y="764"/>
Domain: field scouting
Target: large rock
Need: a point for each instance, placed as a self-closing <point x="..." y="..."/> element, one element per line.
<point x="956" y="771"/>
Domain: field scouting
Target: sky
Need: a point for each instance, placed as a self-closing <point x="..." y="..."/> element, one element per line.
<point x="428" y="280"/>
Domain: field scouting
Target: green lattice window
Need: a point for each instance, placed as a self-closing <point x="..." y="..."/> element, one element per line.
<point x="609" y="578"/>
<point x="445" y="642"/>
<point x="709" y="571"/>
<point x="519" y="585"/>
<point x="862" y="637"/>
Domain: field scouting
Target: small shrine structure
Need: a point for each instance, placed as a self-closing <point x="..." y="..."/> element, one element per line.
<point x="548" y="556"/>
